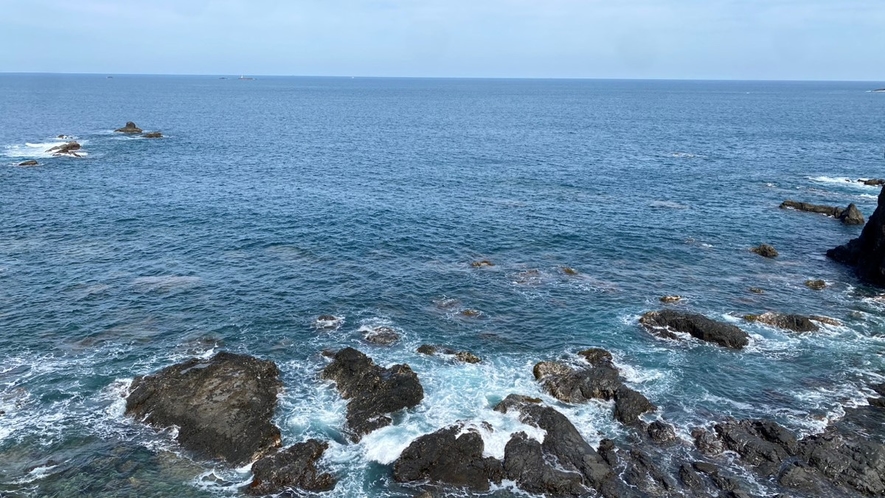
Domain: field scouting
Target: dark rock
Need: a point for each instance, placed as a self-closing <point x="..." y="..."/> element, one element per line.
<point x="450" y="456"/>
<point x="815" y="284"/>
<point x="152" y="134"/>
<point x="642" y="473"/>
<point x="690" y="478"/>
<point x="762" y="444"/>
<point x="665" y="321"/>
<point x="222" y="407"/>
<point x="630" y="404"/>
<point x="597" y="357"/>
<point x="757" y="290"/>
<point x="129" y="128"/>
<point x="65" y="149"/>
<point x="608" y="452"/>
<point x="374" y="392"/>
<point x="328" y="322"/>
<point x="569" y="271"/>
<point x="471" y="313"/>
<point x="796" y="323"/>
<point x="873" y="182"/>
<point x="878" y="388"/>
<point x="573" y="385"/>
<point x="562" y="441"/>
<point x="867" y="252"/>
<point x="851" y="216"/>
<point x="383" y="336"/>
<point x="294" y="467"/>
<point x="462" y="356"/>
<point x="29" y="162"/>
<point x="661" y="432"/>
<point x="800" y="477"/>
<point x="482" y="264"/>
<point x="707" y="442"/>
<point x="706" y="468"/>
<point x="832" y="211"/>
<point x="525" y="464"/>
<point x="855" y="464"/>
<point x="765" y="250"/>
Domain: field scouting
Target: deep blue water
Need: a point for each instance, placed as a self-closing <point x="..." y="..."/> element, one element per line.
<point x="272" y="201"/>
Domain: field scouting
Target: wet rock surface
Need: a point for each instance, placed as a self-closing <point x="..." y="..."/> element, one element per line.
<point x="382" y="336"/>
<point x="153" y="134"/>
<point x="294" y="467"/>
<point x="222" y="406"/>
<point x="765" y="250"/>
<point x="29" y="162"/>
<point x="664" y="322"/>
<point x="867" y="252"/>
<point x="461" y="356"/>
<point x="796" y="323"/>
<point x="848" y="215"/>
<point x="65" y="149"/>
<point x="452" y="456"/>
<point x="374" y="392"/>
<point x="129" y="128"/>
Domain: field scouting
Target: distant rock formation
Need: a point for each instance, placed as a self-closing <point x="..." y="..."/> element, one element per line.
<point x="65" y="149"/>
<point x="129" y="128"/>
<point x="152" y="134"/>
<point x="867" y="252"/>
<point x="765" y="250"/>
<point x="665" y="322"/>
<point x="849" y="215"/>
<point x="29" y="162"/>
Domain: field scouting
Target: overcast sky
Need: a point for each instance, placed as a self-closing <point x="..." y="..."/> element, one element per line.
<point x="683" y="39"/>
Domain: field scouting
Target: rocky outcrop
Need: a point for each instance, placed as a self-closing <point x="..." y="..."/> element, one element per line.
<point x="452" y="456"/>
<point x="374" y="392"/>
<point x="765" y="251"/>
<point x="461" y="356"/>
<point x="482" y="263"/>
<point x="152" y="134"/>
<point x="816" y="284"/>
<point x="65" y="149"/>
<point x="222" y="406"/>
<point x="848" y="215"/>
<point x="670" y="299"/>
<point x="29" y="162"/>
<point x="867" y="252"/>
<point x="873" y="182"/>
<point x="665" y="322"/>
<point x="382" y="336"/>
<point x="601" y="380"/>
<point x="796" y="323"/>
<point x="294" y="467"/>
<point x="129" y="128"/>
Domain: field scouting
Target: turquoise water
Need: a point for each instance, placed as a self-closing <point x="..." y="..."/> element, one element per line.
<point x="273" y="201"/>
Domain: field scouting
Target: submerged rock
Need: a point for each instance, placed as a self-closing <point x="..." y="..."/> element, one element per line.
<point x="796" y="323"/>
<point x="452" y="456"/>
<point x="153" y="134"/>
<point x="670" y="299"/>
<point x="815" y="284"/>
<point x="664" y="322"/>
<point x="462" y="356"/>
<point x="482" y="264"/>
<point x="29" y="162"/>
<point x="129" y="128"/>
<point x="383" y="336"/>
<point x="374" y="392"/>
<point x="222" y="407"/>
<point x="294" y="467"/>
<point x="765" y="250"/>
<point x="328" y="322"/>
<point x="867" y="252"/>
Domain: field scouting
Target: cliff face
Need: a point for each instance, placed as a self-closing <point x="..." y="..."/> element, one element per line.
<point x="867" y="252"/>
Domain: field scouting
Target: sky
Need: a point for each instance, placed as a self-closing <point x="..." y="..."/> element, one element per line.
<point x="654" y="39"/>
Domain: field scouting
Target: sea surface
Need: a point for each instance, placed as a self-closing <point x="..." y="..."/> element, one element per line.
<point x="272" y="201"/>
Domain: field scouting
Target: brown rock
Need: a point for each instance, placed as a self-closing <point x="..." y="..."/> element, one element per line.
<point x="765" y="250"/>
<point x="129" y="128"/>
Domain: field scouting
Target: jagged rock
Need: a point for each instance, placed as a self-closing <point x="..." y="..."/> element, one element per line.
<point x="573" y="385"/>
<point x="832" y="211"/>
<point x="152" y="134"/>
<point x="664" y="322"/>
<point x="525" y="464"/>
<point x="452" y="456"/>
<point x="707" y="442"/>
<point x="65" y="149"/>
<point x="222" y="407"/>
<point x="383" y="336"/>
<point x="690" y="478"/>
<point x="815" y="284"/>
<point x="562" y="441"/>
<point x="851" y="216"/>
<point x="873" y="182"/>
<point x="29" y="162"/>
<point x="374" y="392"/>
<point x="798" y="476"/>
<point x="760" y="443"/>
<point x="129" y="128"/>
<point x="661" y="432"/>
<point x="294" y="467"/>
<point x="867" y="252"/>
<point x="630" y="405"/>
<point x="642" y="473"/>
<point x="796" y="323"/>
<point x="765" y="250"/>
<point x="462" y="356"/>
<point x="855" y="464"/>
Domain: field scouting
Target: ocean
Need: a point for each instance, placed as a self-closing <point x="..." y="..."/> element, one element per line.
<point x="270" y="202"/>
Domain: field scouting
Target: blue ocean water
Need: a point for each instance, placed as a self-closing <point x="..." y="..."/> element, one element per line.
<point x="272" y="201"/>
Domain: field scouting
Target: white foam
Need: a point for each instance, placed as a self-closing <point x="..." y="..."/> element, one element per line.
<point x="38" y="150"/>
<point x="667" y="204"/>
<point x="839" y="180"/>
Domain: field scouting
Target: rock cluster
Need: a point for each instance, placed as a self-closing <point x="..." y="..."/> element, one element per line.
<point x="867" y="252"/>
<point x="796" y="323"/>
<point x="848" y="215"/>
<point x="65" y="149"/>
<point x="765" y="250"/>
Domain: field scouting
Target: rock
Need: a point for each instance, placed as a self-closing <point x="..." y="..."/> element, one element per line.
<point x="328" y="322"/>
<point x="690" y="478"/>
<point x="29" y="162"/>
<point x="630" y="404"/>
<point x="671" y="299"/>
<point x="452" y="456"/>
<point x="294" y="467"/>
<point x="706" y="468"/>
<point x="796" y="323"/>
<point x="876" y="402"/>
<point x="67" y="148"/>
<point x="462" y="356"/>
<point x="222" y="407"/>
<point x="569" y="271"/>
<point x="873" y="182"/>
<point x="597" y="357"/>
<point x="152" y="134"/>
<point x="878" y="388"/>
<point x="707" y="442"/>
<point x="525" y="464"/>
<point x="851" y="216"/>
<point x="482" y="264"/>
<point x="129" y="128"/>
<point x="383" y="336"/>
<point x="661" y="432"/>
<point x="832" y="211"/>
<point x="642" y="473"/>
<point x="798" y="476"/>
<point x="825" y="320"/>
<point x="765" y="250"/>
<point x="374" y="392"/>
<point x="757" y="290"/>
<point x="562" y="441"/>
<point x="471" y="313"/>
<point x="815" y="284"/>
<point x="664" y="322"/>
<point x="867" y="252"/>
<point x="762" y="444"/>
<point x="857" y="464"/>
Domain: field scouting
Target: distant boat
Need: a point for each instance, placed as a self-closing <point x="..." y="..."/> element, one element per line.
<point x="879" y="90"/>
<point x="245" y="78"/>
